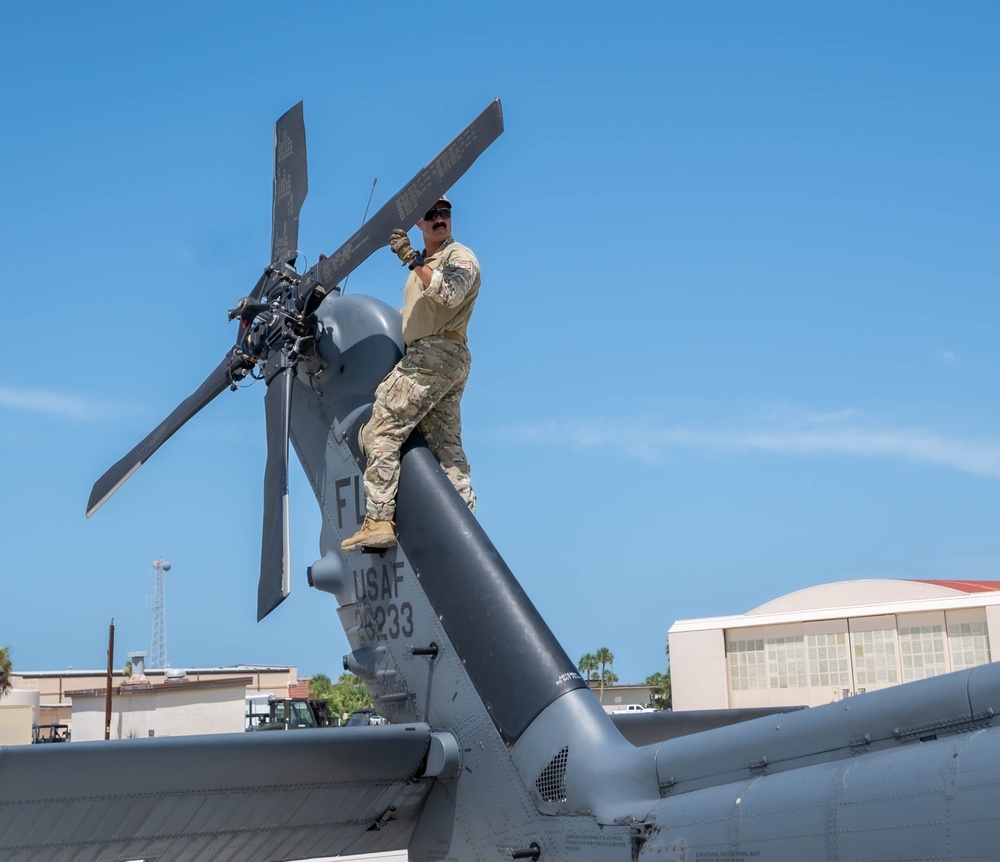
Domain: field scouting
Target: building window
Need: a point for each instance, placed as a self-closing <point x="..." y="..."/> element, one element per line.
<point x="786" y="662"/>
<point x="969" y="644"/>
<point x="875" y="657"/>
<point x="921" y="652"/>
<point x="746" y="665"/>
<point x="828" y="660"/>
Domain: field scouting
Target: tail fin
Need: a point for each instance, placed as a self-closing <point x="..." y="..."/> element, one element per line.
<point x="442" y="633"/>
<point x="468" y="594"/>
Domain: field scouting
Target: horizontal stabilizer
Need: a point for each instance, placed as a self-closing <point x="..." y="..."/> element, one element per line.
<point x="260" y="797"/>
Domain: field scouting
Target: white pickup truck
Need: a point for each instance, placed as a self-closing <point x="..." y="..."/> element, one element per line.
<point x="630" y="707"/>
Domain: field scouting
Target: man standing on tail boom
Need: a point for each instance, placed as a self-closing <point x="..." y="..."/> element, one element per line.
<point x="424" y="389"/>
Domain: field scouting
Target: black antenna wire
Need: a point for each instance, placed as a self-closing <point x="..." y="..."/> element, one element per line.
<point x="363" y="219"/>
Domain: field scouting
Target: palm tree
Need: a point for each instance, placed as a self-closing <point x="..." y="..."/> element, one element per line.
<point x="347" y="694"/>
<point x="604" y="657"/>
<point x="660" y="685"/>
<point x="320" y="687"/>
<point x="6" y="670"/>
<point x="587" y="665"/>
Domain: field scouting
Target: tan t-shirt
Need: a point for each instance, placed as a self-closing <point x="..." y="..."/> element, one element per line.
<point x="445" y="305"/>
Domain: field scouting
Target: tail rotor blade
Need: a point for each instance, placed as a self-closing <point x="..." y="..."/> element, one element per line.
<point x="291" y="183"/>
<point x="413" y="200"/>
<point x="273" y="587"/>
<point x="113" y="479"/>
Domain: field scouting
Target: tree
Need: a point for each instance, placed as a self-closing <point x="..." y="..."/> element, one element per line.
<point x="604" y="658"/>
<point x="345" y="695"/>
<point x="660" y="689"/>
<point x="662" y="693"/>
<point x="588" y="666"/>
<point x="320" y="687"/>
<point x="6" y="671"/>
<point x="351" y="694"/>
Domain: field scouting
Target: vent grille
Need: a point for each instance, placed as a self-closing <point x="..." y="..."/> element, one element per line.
<point x="551" y="784"/>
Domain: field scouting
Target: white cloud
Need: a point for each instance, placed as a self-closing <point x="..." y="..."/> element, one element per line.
<point x="795" y="433"/>
<point x="61" y="404"/>
<point x="947" y="356"/>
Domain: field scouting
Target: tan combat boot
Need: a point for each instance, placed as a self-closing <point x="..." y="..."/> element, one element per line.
<point x="373" y="534"/>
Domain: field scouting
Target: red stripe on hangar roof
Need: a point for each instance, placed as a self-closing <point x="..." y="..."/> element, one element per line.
<point x="965" y="586"/>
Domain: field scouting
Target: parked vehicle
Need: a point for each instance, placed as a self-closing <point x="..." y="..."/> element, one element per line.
<point x="362" y="717"/>
<point x="288" y="713"/>
<point x="631" y="707"/>
<point x="41" y="733"/>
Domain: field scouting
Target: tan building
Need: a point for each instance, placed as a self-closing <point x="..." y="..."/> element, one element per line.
<point x="833" y="641"/>
<point x="172" y="708"/>
<point x="53" y="686"/>
<point x="622" y="698"/>
<point x="15" y="723"/>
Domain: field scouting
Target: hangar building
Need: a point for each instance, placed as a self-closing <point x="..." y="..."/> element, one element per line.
<point x="833" y="641"/>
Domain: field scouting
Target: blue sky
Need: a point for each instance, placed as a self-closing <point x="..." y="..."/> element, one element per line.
<point x="736" y="337"/>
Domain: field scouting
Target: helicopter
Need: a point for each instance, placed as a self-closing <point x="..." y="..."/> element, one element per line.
<point x="496" y="748"/>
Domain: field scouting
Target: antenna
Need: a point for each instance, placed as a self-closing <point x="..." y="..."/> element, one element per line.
<point x="158" y="648"/>
<point x="365" y="216"/>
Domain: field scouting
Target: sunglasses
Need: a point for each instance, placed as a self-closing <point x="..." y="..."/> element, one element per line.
<point x="430" y="215"/>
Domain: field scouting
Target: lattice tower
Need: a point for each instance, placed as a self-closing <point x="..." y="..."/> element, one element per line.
<point x="158" y="647"/>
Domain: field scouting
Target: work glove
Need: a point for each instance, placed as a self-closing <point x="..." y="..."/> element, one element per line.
<point x="399" y="242"/>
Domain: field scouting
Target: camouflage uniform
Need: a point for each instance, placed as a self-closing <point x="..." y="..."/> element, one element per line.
<point x="424" y="389"/>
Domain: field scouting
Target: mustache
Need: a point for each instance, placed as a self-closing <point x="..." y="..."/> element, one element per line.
<point x="438" y="224"/>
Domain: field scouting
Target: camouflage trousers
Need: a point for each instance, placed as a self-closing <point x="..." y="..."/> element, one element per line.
<point x="424" y="390"/>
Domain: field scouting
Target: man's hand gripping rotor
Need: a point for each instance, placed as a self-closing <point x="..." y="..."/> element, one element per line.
<point x="399" y="242"/>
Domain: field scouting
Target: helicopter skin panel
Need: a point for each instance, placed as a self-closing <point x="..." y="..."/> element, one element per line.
<point x="516" y="677"/>
<point x="931" y="800"/>
<point x="649" y="728"/>
<point x="254" y="797"/>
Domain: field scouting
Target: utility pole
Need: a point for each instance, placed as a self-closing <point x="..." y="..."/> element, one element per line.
<point x="107" y="699"/>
